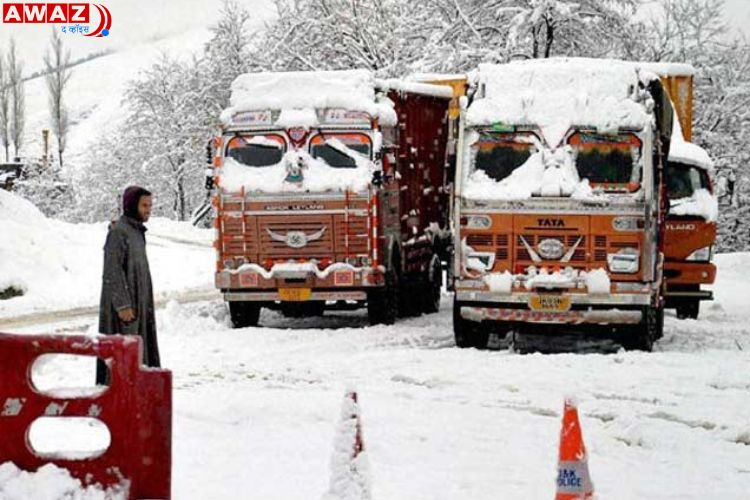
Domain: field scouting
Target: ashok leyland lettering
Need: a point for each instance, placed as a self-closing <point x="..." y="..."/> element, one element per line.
<point x="329" y="191"/>
<point x="560" y="201"/>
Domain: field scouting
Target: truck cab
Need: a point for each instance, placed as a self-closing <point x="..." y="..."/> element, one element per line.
<point x="560" y="203"/>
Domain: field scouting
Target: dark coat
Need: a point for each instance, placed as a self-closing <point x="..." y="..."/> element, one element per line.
<point x="126" y="282"/>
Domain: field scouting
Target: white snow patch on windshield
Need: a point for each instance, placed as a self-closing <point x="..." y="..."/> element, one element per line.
<point x="701" y="204"/>
<point x="317" y="175"/>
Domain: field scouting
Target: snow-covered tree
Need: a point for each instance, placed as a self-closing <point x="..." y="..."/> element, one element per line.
<point x="694" y="31"/>
<point x="227" y="54"/>
<point x="334" y="34"/>
<point x="542" y="28"/>
<point x="18" y="98"/>
<point x="4" y="109"/>
<point x="57" y="65"/>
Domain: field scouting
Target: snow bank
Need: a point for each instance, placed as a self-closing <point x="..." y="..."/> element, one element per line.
<point x="555" y="94"/>
<point x="353" y="90"/>
<point x="317" y="175"/>
<point x="59" y="265"/>
<point x="701" y="204"/>
<point x="414" y="87"/>
<point x="50" y="483"/>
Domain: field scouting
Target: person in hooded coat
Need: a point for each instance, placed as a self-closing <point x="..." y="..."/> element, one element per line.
<point x="127" y="300"/>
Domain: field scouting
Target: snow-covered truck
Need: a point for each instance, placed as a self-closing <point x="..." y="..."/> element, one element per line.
<point x="560" y="201"/>
<point x="691" y="220"/>
<point x="330" y="190"/>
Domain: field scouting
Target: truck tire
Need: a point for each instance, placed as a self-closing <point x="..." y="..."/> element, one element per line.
<point x="650" y="329"/>
<point x="244" y="314"/>
<point x="382" y="304"/>
<point x="468" y="333"/>
<point x="433" y="287"/>
<point x="689" y="309"/>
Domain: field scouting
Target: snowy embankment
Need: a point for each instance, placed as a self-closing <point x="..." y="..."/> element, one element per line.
<point x="58" y="266"/>
<point x="255" y="410"/>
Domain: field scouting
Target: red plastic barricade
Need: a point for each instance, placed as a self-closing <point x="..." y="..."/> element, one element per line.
<point x="137" y="409"/>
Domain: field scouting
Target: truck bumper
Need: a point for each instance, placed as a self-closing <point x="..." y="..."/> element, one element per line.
<point x="615" y="309"/>
<point x="689" y="273"/>
<point x="594" y="317"/>
<point x="274" y="296"/>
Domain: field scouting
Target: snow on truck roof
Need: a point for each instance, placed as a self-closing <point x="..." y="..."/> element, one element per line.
<point x="555" y="94"/>
<point x="300" y="93"/>
<point x="681" y="151"/>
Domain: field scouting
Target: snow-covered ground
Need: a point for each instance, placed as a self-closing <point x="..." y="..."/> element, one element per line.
<point x="58" y="265"/>
<point x="256" y="409"/>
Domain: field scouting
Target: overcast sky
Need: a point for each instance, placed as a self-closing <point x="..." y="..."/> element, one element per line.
<point x="137" y="20"/>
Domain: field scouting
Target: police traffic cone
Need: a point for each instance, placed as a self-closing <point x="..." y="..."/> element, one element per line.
<point x="573" y="480"/>
<point x="350" y="469"/>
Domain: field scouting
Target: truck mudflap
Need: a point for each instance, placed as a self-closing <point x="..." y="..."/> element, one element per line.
<point x="599" y="317"/>
<point x="276" y="295"/>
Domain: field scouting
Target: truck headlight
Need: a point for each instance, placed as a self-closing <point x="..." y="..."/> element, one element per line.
<point x="478" y="222"/>
<point x="701" y="255"/>
<point x="480" y="261"/>
<point x="625" y="261"/>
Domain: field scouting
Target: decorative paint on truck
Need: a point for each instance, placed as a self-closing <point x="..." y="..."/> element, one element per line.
<point x="560" y="200"/>
<point x="330" y="191"/>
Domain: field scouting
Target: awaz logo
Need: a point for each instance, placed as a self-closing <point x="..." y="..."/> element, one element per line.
<point x="59" y="13"/>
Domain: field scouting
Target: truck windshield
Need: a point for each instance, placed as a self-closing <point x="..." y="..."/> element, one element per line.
<point x="499" y="154"/>
<point x="258" y="150"/>
<point x="332" y="148"/>
<point x="606" y="159"/>
<point x="683" y="180"/>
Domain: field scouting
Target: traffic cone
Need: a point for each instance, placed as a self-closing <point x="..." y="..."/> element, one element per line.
<point x="350" y="469"/>
<point x="573" y="480"/>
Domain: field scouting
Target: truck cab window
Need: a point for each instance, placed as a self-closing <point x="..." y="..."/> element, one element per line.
<point x="336" y="157"/>
<point x="683" y="180"/>
<point x="499" y="154"/>
<point x="606" y="159"/>
<point x="257" y="151"/>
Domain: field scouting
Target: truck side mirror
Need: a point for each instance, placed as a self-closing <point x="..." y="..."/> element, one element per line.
<point x="377" y="178"/>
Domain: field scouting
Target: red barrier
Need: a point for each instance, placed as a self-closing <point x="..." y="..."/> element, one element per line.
<point x="137" y="409"/>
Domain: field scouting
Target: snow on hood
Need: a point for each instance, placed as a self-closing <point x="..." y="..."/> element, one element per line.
<point x="556" y="94"/>
<point x="701" y="204"/>
<point x="306" y="91"/>
<point x="317" y="175"/>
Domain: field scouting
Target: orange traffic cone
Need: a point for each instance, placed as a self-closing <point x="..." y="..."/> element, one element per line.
<point x="573" y="480"/>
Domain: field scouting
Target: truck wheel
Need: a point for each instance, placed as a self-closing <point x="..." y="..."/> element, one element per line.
<point x="689" y="309"/>
<point x="651" y="328"/>
<point x="433" y="287"/>
<point x="382" y="305"/>
<point x="244" y="314"/>
<point x="467" y="333"/>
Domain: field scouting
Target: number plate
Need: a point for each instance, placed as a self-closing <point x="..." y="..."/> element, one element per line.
<point x="295" y="294"/>
<point x="549" y="303"/>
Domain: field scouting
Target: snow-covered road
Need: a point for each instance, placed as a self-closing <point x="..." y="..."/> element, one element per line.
<point x="255" y="409"/>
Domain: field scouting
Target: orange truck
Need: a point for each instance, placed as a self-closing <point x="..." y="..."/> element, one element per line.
<point x="330" y="191"/>
<point x="560" y="201"/>
<point x="691" y="221"/>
